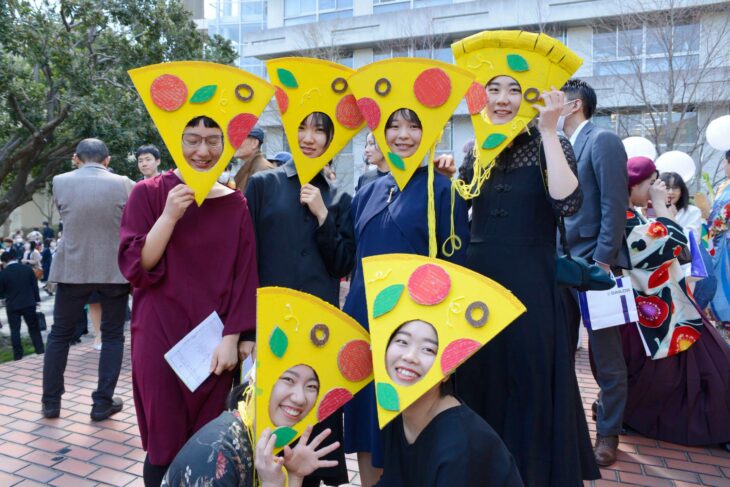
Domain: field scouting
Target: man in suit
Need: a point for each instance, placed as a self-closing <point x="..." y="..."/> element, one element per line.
<point x="20" y="288"/>
<point x="596" y="233"/>
<point x="90" y="201"/>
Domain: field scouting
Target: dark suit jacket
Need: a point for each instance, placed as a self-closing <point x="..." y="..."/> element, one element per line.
<point x="19" y="286"/>
<point x="597" y="231"/>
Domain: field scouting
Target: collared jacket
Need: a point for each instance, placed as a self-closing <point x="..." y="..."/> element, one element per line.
<point x="90" y="201"/>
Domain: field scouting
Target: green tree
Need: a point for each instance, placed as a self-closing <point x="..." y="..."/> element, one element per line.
<point x="63" y="77"/>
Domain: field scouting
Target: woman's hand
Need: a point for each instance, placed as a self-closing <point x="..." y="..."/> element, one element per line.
<point x="310" y="196"/>
<point x="245" y="349"/>
<point x="178" y="200"/>
<point x="267" y="464"/>
<point x="225" y="356"/>
<point x="305" y="459"/>
<point x="658" y="194"/>
<point x="445" y="165"/>
<point x="550" y="113"/>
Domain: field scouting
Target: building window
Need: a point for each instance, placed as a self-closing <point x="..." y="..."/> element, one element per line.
<point x="655" y="126"/>
<point x="439" y="53"/>
<point x="446" y="144"/>
<point x="645" y="48"/>
<point x="233" y="19"/>
<point x="308" y="11"/>
<point x="384" y="6"/>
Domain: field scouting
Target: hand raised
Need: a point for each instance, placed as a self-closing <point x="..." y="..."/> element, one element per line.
<point x="178" y="200"/>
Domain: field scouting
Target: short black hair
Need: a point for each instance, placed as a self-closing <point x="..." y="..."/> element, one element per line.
<point x="323" y="120"/>
<point x="235" y="396"/>
<point x="147" y="149"/>
<point x="208" y="122"/>
<point x="407" y="114"/>
<point x="578" y="89"/>
<point x="92" y="150"/>
<point x="727" y="156"/>
<point x="672" y="179"/>
<point x="8" y="255"/>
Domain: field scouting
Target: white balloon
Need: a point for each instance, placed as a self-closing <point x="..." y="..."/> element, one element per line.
<point x="679" y="162"/>
<point x="639" y="146"/>
<point x="718" y="133"/>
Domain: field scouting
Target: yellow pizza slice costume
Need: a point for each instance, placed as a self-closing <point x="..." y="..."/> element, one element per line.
<point x="537" y="61"/>
<point x="296" y="328"/>
<point x="432" y="89"/>
<point x="465" y="308"/>
<point x="175" y="93"/>
<point x="306" y="85"/>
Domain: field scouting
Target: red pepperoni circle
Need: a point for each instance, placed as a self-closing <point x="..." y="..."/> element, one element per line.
<point x="239" y="127"/>
<point x="282" y="100"/>
<point x="168" y="92"/>
<point x="332" y="401"/>
<point x="476" y="98"/>
<point x="429" y="284"/>
<point x="355" y="360"/>
<point x="347" y="112"/>
<point x="432" y="87"/>
<point x="370" y="111"/>
<point x="456" y="352"/>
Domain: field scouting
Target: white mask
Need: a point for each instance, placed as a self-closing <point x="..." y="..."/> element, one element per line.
<point x="561" y="123"/>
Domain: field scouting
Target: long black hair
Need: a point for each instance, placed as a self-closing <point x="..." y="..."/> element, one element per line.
<point x="674" y="180"/>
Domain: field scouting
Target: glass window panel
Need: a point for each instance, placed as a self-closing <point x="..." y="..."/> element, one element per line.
<point x="444" y="54"/>
<point x="252" y="27"/>
<point x="424" y="53"/>
<point x="654" y="65"/>
<point x="606" y="121"/>
<point x="400" y="52"/>
<point x="613" y="68"/>
<point x="300" y="20"/>
<point x="604" y="45"/>
<point x="687" y="38"/>
<point x="430" y="3"/>
<point x="342" y="4"/>
<point x="630" y="42"/>
<point x="230" y="32"/>
<point x="381" y="53"/>
<point x="327" y="4"/>
<point x="385" y="7"/>
<point x="656" y="40"/>
<point x="337" y="14"/>
<point x="445" y="145"/>
<point x="291" y="8"/>
<point x="308" y="6"/>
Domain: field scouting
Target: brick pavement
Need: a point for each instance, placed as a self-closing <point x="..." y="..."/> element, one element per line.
<point x="74" y="451"/>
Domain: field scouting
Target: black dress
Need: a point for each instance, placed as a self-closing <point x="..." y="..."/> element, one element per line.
<point x="457" y="448"/>
<point x="523" y="382"/>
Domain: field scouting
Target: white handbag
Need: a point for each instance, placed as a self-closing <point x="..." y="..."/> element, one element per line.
<point x="613" y="307"/>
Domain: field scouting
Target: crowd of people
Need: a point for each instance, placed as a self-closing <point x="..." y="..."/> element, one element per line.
<point x="667" y="377"/>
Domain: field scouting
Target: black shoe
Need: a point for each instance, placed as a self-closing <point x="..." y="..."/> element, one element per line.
<point x="98" y="414"/>
<point x="50" y="412"/>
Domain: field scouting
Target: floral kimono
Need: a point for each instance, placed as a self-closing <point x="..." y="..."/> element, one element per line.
<point x="718" y="222"/>
<point x="669" y="322"/>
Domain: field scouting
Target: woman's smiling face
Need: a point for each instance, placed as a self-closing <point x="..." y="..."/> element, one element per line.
<point x="294" y="394"/>
<point x="504" y="96"/>
<point x="411" y="352"/>
<point x="403" y="133"/>
<point x="202" y="146"/>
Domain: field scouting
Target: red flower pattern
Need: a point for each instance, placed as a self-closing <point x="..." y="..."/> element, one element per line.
<point x="677" y="250"/>
<point x="652" y="311"/>
<point x="682" y="338"/>
<point x="661" y="275"/>
<point x="657" y="230"/>
<point x="220" y="466"/>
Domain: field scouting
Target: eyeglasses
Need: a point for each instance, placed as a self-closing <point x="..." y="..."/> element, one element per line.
<point x="193" y="141"/>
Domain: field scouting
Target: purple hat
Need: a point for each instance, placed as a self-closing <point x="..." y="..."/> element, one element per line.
<point x="639" y="169"/>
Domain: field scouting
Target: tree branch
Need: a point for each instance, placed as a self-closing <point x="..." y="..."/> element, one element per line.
<point x="20" y="115"/>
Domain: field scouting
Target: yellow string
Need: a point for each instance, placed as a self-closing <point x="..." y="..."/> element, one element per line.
<point x="246" y="411"/>
<point x="432" y="243"/>
<point x="453" y="239"/>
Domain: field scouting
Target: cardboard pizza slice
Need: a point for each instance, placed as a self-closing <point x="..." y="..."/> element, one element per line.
<point x="306" y="85"/>
<point x="537" y="61"/>
<point x="432" y="89"/>
<point x="465" y="308"/>
<point x="296" y="328"/>
<point x="175" y="93"/>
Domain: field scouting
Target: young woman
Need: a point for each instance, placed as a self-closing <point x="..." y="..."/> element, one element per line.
<point x="689" y="217"/>
<point x="165" y="243"/>
<point x="437" y="440"/>
<point x="373" y="156"/>
<point x="523" y="382"/>
<point x="305" y="242"/>
<point x="388" y="220"/>
<point x="221" y="452"/>
<point x="682" y="393"/>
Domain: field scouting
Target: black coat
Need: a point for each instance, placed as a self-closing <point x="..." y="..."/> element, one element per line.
<point x="292" y="250"/>
<point x="19" y="286"/>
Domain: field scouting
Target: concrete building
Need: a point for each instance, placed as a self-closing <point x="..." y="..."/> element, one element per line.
<point x="659" y="66"/>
